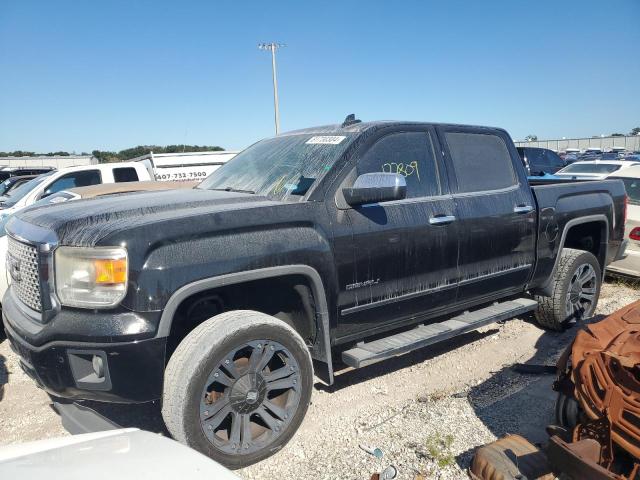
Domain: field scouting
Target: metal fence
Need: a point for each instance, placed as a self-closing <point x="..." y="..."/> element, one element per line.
<point x="631" y="143"/>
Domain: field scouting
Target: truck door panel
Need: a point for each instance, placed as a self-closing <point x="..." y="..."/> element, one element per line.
<point x="496" y="213"/>
<point x="402" y="265"/>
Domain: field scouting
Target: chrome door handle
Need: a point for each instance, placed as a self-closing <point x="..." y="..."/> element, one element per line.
<point x="441" y="219"/>
<point x="523" y="209"/>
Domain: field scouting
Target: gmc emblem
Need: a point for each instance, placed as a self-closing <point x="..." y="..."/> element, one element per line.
<point x="13" y="265"/>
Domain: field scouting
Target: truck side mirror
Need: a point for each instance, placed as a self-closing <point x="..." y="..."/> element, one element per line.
<point x="375" y="188"/>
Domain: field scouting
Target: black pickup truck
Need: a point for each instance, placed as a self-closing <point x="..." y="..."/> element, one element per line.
<point x="357" y="241"/>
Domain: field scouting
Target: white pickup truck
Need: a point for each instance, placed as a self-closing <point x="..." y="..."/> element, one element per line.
<point x="71" y="177"/>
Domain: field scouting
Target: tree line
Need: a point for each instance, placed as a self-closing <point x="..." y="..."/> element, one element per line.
<point x="122" y="155"/>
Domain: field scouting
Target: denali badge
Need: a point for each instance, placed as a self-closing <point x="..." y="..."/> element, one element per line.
<point x="366" y="283"/>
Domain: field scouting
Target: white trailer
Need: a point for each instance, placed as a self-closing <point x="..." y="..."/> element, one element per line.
<point x="186" y="166"/>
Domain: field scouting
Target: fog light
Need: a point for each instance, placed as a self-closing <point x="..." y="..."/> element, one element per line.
<point x="98" y="366"/>
<point x="90" y="369"/>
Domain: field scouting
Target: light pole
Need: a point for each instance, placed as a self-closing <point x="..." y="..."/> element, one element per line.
<point x="273" y="47"/>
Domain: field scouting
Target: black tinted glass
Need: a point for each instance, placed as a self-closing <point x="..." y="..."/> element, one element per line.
<point x="481" y="161"/>
<point x="76" y="179"/>
<point x="127" y="174"/>
<point x="553" y="159"/>
<point x="537" y="162"/>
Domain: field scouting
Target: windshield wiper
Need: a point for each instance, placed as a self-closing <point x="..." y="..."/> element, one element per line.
<point x="231" y="189"/>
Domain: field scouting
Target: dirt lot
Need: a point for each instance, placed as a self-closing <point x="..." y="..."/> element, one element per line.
<point x="426" y="411"/>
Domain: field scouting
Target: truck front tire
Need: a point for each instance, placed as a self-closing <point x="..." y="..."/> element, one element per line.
<point x="575" y="290"/>
<point x="237" y="387"/>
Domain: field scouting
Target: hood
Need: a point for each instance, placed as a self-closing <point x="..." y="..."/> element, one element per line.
<point x="86" y="222"/>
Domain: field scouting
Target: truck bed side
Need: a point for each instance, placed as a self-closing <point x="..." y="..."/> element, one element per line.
<point x="586" y="215"/>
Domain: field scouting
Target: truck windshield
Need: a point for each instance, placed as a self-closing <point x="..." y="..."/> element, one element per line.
<point x="281" y="168"/>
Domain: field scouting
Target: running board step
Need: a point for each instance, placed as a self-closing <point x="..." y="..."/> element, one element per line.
<point x="365" y="354"/>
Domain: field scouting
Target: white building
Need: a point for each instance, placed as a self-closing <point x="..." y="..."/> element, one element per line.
<point x="48" y="161"/>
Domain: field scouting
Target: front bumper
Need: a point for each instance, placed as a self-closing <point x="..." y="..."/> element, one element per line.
<point x="133" y="369"/>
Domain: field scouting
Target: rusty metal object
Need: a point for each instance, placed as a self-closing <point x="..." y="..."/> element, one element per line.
<point x="605" y="360"/>
<point x="598" y="410"/>
<point x="511" y="457"/>
<point x="578" y="459"/>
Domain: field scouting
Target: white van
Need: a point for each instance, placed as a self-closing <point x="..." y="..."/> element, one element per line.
<point x="184" y="166"/>
<point x="66" y="178"/>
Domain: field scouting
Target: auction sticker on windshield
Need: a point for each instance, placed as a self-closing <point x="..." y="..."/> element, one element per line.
<point x="326" y="140"/>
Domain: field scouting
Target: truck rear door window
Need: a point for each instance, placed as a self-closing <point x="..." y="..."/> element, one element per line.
<point x="126" y="174"/>
<point x="481" y="161"/>
<point x="409" y="154"/>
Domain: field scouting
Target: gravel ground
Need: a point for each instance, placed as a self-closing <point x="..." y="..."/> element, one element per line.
<point x="427" y="411"/>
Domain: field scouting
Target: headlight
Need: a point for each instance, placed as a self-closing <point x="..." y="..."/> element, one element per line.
<point x="91" y="277"/>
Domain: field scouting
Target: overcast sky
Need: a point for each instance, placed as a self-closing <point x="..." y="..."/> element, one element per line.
<point x="114" y="74"/>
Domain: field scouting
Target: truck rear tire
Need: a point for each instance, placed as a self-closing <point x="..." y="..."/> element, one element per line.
<point x="237" y="387"/>
<point x="575" y="290"/>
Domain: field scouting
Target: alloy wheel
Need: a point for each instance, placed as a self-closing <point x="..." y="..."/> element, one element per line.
<point x="250" y="397"/>
<point x="581" y="294"/>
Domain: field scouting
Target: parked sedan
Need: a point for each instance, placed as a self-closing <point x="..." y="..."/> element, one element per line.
<point x="630" y="265"/>
<point x="126" y="454"/>
<point x="594" y="169"/>
<point x="13" y="182"/>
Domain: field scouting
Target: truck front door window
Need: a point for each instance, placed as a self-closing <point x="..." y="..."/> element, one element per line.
<point x="409" y="154"/>
<point x="73" y="180"/>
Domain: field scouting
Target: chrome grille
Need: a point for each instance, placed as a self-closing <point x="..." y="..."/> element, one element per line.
<point x="22" y="265"/>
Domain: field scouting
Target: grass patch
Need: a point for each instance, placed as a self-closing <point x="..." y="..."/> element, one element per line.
<point x="439" y="449"/>
<point x="622" y="281"/>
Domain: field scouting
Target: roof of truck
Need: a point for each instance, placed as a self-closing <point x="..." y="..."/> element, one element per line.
<point x="360" y="127"/>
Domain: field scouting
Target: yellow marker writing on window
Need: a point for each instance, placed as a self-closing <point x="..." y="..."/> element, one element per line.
<point x="404" y="169"/>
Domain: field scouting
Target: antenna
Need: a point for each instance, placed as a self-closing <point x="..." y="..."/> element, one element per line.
<point x="350" y="120"/>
